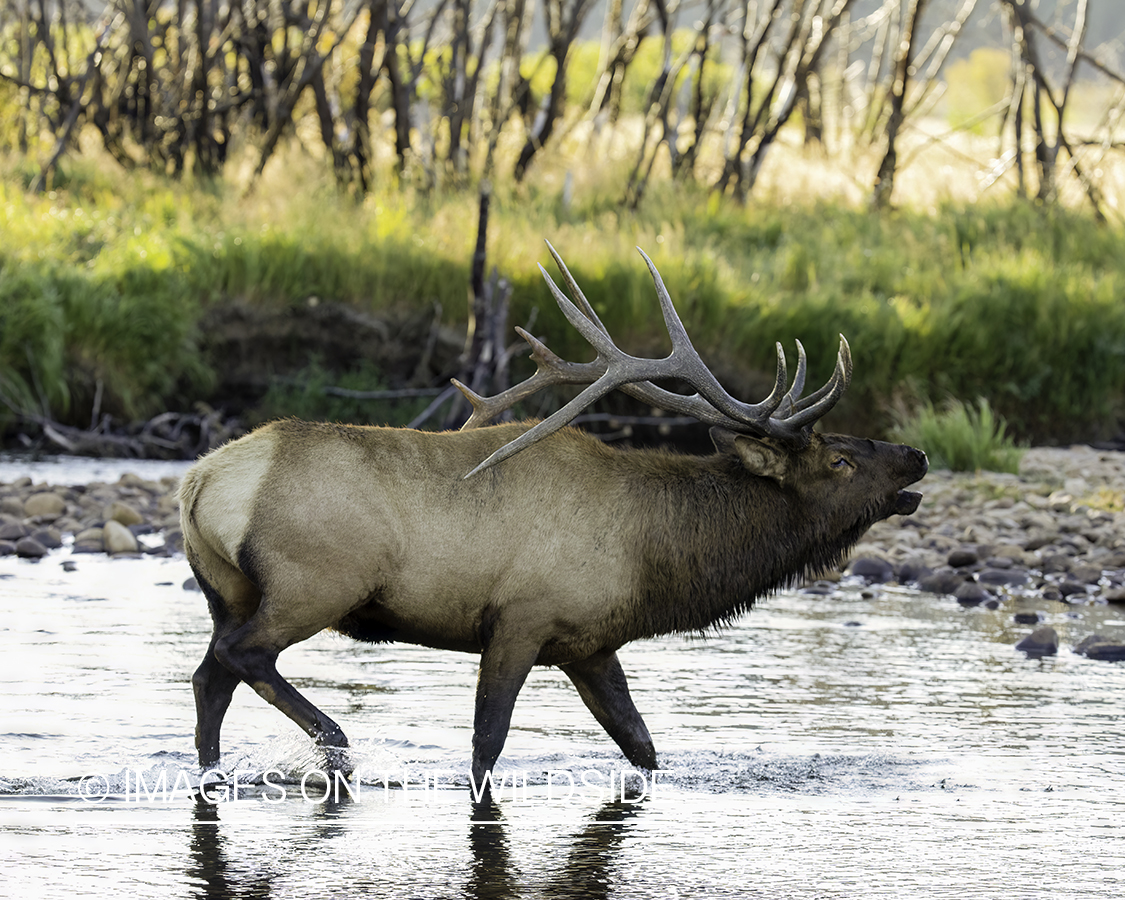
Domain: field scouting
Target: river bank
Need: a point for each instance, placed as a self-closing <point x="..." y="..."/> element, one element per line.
<point x="1054" y="534"/>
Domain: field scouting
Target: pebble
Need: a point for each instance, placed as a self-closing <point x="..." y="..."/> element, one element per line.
<point x="119" y="539"/>
<point x="913" y="570"/>
<point x="1097" y="647"/>
<point x="123" y="513"/>
<point x="89" y="540"/>
<point x="1086" y="574"/>
<point x="941" y="582"/>
<point x="51" y="538"/>
<point x="1069" y="588"/>
<point x="11" y="506"/>
<point x="1043" y="641"/>
<point x="873" y="569"/>
<point x="962" y="557"/>
<point x="1009" y="577"/>
<point x="969" y="593"/>
<point x="29" y="548"/>
<point x="45" y="505"/>
<point x="13" y="531"/>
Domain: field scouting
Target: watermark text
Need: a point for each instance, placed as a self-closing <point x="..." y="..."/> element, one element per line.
<point x="217" y="786"/>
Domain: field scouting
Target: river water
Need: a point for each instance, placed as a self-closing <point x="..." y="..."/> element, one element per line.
<point x="872" y="743"/>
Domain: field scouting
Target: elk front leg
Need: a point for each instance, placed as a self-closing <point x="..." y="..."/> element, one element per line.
<point x="504" y="665"/>
<point x="252" y="657"/>
<point x="602" y="686"/>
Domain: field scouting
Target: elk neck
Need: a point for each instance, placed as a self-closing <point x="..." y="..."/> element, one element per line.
<point x="710" y="539"/>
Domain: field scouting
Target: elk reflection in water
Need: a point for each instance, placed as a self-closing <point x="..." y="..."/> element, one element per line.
<point x="586" y="873"/>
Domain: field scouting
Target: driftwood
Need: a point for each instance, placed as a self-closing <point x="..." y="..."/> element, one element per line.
<point x="170" y="435"/>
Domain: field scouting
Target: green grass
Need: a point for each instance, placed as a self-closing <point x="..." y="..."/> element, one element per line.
<point x="307" y="395"/>
<point x="106" y="279"/>
<point x="960" y="437"/>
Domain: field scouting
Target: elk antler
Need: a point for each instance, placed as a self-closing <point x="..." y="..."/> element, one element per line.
<point x="783" y="414"/>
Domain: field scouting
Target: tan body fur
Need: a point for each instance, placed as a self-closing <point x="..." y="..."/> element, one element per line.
<point x="411" y="532"/>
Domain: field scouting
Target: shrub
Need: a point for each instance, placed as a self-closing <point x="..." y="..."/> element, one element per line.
<point x="960" y="438"/>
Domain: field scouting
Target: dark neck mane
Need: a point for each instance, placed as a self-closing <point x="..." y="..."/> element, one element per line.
<point x="713" y="539"/>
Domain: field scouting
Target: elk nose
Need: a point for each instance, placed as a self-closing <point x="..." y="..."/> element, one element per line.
<point x="918" y="458"/>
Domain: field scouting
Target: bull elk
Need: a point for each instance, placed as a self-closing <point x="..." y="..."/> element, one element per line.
<point x="556" y="557"/>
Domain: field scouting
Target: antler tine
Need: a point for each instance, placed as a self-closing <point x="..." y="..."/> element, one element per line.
<point x="574" y="289"/>
<point x="692" y="369"/>
<point x="758" y="411"/>
<point x="672" y="321"/>
<point x="789" y="401"/>
<point x="818" y="404"/>
<point x="551" y="369"/>
<point x="591" y="329"/>
<point x="484" y="408"/>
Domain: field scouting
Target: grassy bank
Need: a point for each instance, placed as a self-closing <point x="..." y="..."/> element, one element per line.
<point x="104" y="282"/>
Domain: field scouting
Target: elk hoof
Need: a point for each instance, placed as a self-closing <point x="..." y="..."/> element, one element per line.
<point x="339" y="760"/>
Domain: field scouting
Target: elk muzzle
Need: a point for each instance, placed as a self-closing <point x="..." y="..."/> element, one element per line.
<point x="915" y="465"/>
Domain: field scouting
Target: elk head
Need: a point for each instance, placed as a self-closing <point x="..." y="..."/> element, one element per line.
<point x="774" y="439"/>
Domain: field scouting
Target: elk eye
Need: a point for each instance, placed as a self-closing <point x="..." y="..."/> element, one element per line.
<point x="839" y="463"/>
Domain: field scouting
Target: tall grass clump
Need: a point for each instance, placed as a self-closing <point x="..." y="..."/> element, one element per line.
<point x="94" y="316"/>
<point x="960" y="437"/>
<point x="1018" y="304"/>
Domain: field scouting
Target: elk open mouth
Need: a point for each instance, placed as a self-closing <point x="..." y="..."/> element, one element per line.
<point x="907" y="502"/>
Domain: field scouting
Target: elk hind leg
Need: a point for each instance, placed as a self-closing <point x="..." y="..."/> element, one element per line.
<point x="251" y="654"/>
<point x="602" y="686"/>
<point x="213" y="683"/>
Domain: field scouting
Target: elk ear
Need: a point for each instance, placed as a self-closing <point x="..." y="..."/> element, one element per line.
<point x="760" y="456"/>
